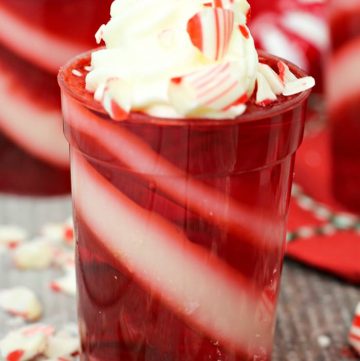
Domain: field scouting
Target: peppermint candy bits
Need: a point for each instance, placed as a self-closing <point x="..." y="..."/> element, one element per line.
<point x="210" y="31"/>
<point x="11" y="236"/>
<point x="21" y="302"/>
<point x="40" y="342"/>
<point x="25" y="343"/>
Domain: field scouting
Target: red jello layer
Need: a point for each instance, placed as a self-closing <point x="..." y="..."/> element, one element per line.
<point x="75" y="20"/>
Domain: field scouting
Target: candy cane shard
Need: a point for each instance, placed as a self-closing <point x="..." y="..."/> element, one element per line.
<point x="276" y="84"/>
<point x="206" y="201"/>
<point x="215" y="88"/>
<point x="298" y="86"/>
<point x="264" y="93"/>
<point x="354" y="334"/>
<point x="241" y="8"/>
<point x="292" y="84"/>
<point x="210" y="31"/>
<point x="199" y="287"/>
<point x="284" y="72"/>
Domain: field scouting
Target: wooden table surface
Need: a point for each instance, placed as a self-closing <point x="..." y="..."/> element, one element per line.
<point x="314" y="314"/>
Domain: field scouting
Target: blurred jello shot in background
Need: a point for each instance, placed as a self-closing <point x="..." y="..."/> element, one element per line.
<point x="182" y="142"/>
<point x="36" y="38"/>
<point x="343" y="100"/>
<point x="296" y="30"/>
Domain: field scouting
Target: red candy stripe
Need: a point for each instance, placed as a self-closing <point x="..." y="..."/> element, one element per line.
<point x="210" y="31"/>
<point x="15" y="355"/>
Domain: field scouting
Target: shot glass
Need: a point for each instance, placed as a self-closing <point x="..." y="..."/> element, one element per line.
<point x="180" y="227"/>
<point x="33" y="151"/>
<point x="343" y="101"/>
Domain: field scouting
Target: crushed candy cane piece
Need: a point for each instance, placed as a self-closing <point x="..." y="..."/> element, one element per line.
<point x="354" y="334"/>
<point x="65" y="284"/>
<point x="276" y="84"/>
<point x="240" y="8"/>
<point x="22" y="302"/>
<point x="11" y="236"/>
<point x="269" y="84"/>
<point x="298" y="86"/>
<point x="25" y="343"/>
<point x="36" y="254"/>
<point x="216" y="88"/>
<point x="210" y="31"/>
<point x="284" y="72"/>
<point x="59" y="231"/>
<point x="264" y="94"/>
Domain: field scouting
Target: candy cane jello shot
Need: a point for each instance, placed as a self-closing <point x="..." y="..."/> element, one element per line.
<point x="343" y="100"/>
<point x="36" y="38"/>
<point x="182" y="141"/>
<point x="294" y="29"/>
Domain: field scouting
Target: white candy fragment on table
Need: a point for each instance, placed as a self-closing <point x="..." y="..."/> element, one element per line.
<point x="64" y="343"/>
<point x="11" y="236"/>
<point x="65" y="284"/>
<point x="36" y="254"/>
<point x="60" y="231"/>
<point x="22" y="302"/>
<point x="64" y="258"/>
<point x="25" y="343"/>
<point x="354" y="334"/>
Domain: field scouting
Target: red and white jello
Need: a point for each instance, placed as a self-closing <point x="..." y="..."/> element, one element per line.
<point x="33" y="152"/>
<point x="182" y="146"/>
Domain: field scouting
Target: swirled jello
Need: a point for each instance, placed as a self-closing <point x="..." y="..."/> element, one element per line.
<point x="36" y="38"/>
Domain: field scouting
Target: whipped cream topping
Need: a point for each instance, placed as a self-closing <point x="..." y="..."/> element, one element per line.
<point x="181" y="58"/>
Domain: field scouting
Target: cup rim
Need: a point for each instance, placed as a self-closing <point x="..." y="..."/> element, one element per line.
<point x="138" y="117"/>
